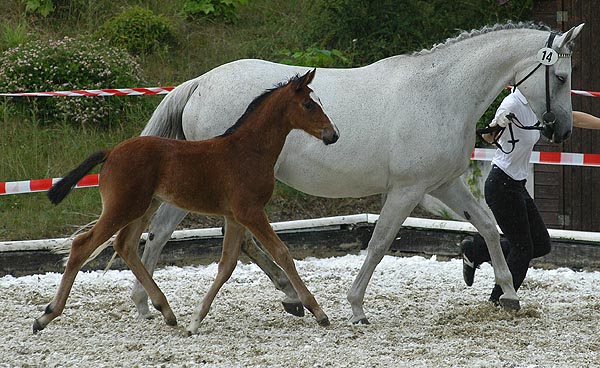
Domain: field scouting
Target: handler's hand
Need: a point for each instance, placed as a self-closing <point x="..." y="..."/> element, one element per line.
<point x="500" y="120"/>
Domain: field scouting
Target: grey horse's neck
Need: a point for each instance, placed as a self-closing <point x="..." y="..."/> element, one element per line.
<point x="480" y="67"/>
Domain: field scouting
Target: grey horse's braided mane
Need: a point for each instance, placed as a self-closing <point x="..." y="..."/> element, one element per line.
<point x="486" y="29"/>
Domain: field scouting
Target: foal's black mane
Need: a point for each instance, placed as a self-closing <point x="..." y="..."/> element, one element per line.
<point x="256" y="102"/>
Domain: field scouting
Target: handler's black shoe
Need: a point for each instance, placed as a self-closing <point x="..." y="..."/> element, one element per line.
<point x="495" y="295"/>
<point x="469" y="266"/>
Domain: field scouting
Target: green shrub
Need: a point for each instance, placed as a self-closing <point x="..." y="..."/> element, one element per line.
<point x="69" y="64"/>
<point x="223" y="9"/>
<point x="139" y="31"/>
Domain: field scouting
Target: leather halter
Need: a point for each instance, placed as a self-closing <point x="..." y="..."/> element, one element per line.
<point x="549" y="118"/>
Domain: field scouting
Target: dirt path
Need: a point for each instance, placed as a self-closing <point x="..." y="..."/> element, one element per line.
<point x="422" y="316"/>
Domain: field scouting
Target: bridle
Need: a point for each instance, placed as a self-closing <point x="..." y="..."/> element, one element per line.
<point x="546" y="56"/>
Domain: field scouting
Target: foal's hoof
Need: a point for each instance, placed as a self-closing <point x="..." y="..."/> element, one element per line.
<point x="510" y="304"/>
<point x="171" y="320"/>
<point x="324" y="322"/>
<point x="296" y="309"/>
<point x="37" y="326"/>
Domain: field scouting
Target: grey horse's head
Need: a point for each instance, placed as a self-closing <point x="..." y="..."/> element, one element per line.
<point x="548" y="90"/>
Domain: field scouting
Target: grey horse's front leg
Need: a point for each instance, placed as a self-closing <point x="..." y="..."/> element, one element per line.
<point x="291" y="303"/>
<point x="457" y="196"/>
<point x="162" y="226"/>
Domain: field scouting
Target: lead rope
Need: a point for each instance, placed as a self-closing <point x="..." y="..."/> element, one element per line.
<point x="497" y="132"/>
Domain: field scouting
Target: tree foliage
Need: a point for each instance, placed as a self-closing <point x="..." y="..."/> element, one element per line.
<point x="367" y="31"/>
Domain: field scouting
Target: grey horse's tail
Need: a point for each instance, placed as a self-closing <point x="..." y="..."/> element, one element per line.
<point x="166" y="119"/>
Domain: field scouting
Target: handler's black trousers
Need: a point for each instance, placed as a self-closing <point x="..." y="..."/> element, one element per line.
<point x="518" y="217"/>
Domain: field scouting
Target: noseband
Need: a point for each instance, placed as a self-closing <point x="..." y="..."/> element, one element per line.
<point x="546" y="56"/>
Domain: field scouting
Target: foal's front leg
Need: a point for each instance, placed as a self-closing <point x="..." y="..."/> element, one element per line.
<point x="232" y="244"/>
<point x="291" y="303"/>
<point x="257" y="222"/>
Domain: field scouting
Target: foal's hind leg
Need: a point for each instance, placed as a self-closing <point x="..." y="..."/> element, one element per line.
<point x="232" y="243"/>
<point x="81" y="249"/>
<point x="291" y="303"/>
<point x="257" y="222"/>
<point x="126" y="245"/>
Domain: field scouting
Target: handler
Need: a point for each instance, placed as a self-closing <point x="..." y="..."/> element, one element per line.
<point x="505" y="193"/>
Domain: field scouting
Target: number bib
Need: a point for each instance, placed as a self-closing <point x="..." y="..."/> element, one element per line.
<point x="547" y="56"/>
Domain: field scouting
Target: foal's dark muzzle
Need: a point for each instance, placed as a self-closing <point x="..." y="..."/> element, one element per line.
<point x="329" y="136"/>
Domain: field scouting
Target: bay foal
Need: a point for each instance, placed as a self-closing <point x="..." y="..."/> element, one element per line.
<point x="231" y="175"/>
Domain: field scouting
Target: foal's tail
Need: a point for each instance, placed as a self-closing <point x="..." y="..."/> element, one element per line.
<point x="61" y="189"/>
<point x="166" y="119"/>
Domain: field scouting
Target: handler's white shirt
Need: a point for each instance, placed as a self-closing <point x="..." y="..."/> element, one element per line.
<point x="516" y="163"/>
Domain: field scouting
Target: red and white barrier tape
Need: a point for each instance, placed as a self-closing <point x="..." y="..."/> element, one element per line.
<point x="479" y="154"/>
<point x="546" y="158"/>
<point x="96" y="92"/>
<point x="585" y="93"/>
<point x="42" y="185"/>
<point x="577" y="92"/>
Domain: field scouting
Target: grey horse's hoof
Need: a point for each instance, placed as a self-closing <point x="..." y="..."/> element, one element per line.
<point x="296" y="309"/>
<point x="510" y="304"/>
<point x="144" y="316"/>
<point x="362" y="321"/>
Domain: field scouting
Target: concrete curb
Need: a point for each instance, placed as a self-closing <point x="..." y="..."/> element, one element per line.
<point x="318" y="224"/>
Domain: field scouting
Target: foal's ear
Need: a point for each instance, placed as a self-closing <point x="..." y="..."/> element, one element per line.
<point x="304" y="80"/>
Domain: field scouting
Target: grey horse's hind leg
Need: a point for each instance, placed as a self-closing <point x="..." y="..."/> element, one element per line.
<point x="457" y="196"/>
<point x="162" y="226"/>
<point x="398" y="205"/>
<point x="291" y="303"/>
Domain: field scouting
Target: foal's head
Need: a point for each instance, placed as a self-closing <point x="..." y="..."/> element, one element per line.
<point x="305" y="111"/>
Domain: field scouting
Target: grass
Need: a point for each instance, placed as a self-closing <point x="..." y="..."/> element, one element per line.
<point x="32" y="151"/>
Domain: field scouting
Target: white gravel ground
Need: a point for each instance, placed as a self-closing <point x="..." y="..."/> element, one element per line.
<point x="422" y="316"/>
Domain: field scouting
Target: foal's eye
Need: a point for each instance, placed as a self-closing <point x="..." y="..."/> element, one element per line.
<point x="309" y="105"/>
<point x="561" y="78"/>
